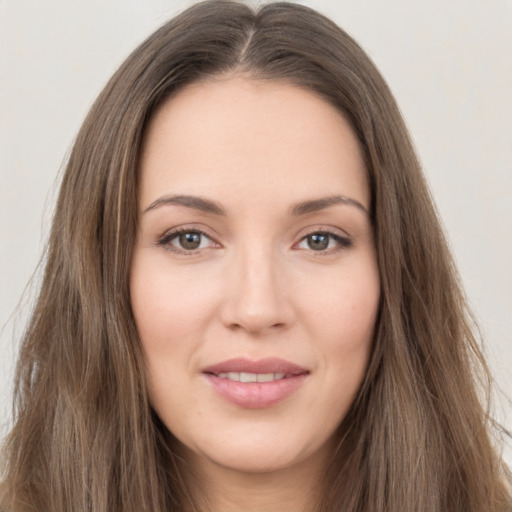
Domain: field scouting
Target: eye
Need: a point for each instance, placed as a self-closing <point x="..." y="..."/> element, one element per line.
<point x="186" y="240"/>
<point x="323" y="241"/>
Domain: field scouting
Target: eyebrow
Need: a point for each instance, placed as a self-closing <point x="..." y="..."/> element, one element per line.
<point x="208" y="206"/>
<point x="197" y="203"/>
<point x="316" y="205"/>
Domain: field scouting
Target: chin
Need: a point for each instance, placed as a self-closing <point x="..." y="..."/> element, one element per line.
<point x="251" y="455"/>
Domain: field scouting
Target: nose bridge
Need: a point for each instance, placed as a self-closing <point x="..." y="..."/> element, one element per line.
<point x="255" y="299"/>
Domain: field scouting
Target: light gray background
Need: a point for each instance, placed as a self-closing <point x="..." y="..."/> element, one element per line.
<point x="449" y="64"/>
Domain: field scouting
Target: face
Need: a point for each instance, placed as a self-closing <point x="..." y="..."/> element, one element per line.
<point x="254" y="281"/>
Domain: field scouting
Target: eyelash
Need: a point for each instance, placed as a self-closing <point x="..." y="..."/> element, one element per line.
<point x="342" y="241"/>
<point x="167" y="238"/>
<point x="165" y="241"/>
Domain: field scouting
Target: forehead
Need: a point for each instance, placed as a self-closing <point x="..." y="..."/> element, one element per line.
<point x="249" y="138"/>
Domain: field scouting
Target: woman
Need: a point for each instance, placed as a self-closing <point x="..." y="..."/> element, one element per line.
<point x="248" y="302"/>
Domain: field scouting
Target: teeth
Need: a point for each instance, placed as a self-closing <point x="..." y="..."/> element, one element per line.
<point x="247" y="377"/>
<point x="251" y="377"/>
<point x="266" y="377"/>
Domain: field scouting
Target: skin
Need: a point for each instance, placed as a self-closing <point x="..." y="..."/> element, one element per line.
<point x="255" y="287"/>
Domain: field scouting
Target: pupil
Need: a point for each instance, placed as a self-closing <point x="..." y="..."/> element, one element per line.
<point x="318" y="242"/>
<point x="190" y="240"/>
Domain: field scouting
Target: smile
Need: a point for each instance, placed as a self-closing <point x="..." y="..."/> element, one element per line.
<point x="251" y="377"/>
<point x="255" y="384"/>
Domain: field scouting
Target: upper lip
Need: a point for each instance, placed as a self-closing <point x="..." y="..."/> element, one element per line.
<point x="266" y="365"/>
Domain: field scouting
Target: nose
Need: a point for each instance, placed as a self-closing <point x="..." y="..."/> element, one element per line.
<point x="256" y="296"/>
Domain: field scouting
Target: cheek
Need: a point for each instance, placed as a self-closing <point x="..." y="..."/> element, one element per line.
<point x="345" y="305"/>
<point x="343" y="324"/>
<point x="169" y="305"/>
<point x="168" y="322"/>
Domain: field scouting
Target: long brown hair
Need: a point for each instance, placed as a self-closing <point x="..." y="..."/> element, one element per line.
<point x="419" y="435"/>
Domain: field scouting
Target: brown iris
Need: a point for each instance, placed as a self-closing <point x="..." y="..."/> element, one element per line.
<point x="318" y="241"/>
<point x="190" y="241"/>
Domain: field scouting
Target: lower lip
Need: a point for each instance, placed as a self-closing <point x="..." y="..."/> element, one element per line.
<point x="256" y="395"/>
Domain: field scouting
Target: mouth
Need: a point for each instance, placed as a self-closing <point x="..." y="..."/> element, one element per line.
<point x="251" y="377"/>
<point x="255" y="384"/>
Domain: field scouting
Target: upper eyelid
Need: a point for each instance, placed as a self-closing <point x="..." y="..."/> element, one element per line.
<point x="330" y="230"/>
<point x="169" y="235"/>
<point x="187" y="229"/>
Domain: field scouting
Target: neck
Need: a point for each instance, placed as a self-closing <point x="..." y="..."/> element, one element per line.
<point x="292" y="489"/>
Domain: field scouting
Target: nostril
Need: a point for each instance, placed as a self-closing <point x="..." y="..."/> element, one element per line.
<point x="256" y="328"/>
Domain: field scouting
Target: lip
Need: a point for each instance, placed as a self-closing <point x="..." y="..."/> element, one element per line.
<point x="255" y="395"/>
<point x="267" y="365"/>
